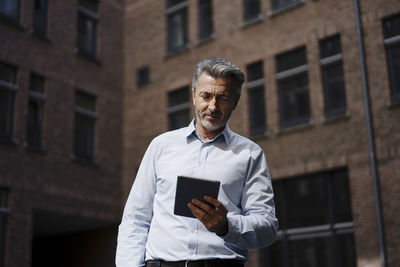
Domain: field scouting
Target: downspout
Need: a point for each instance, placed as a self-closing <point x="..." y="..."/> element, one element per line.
<point x="371" y="145"/>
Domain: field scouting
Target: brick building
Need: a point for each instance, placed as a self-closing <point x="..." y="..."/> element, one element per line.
<point x="60" y="131"/>
<point x="303" y="102"/>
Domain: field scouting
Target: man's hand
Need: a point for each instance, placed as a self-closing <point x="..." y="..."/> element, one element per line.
<point x="212" y="213"/>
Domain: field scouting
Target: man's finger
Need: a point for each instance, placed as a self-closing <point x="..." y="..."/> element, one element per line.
<point x="216" y="203"/>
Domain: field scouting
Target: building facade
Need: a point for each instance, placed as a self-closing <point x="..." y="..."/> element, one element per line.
<point x="327" y="121"/>
<point x="60" y="131"/>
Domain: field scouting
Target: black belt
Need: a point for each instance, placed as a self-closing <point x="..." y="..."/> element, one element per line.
<point x="199" y="263"/>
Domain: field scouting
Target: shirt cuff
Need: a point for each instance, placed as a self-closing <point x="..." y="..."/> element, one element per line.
<point x="232" y="235"/>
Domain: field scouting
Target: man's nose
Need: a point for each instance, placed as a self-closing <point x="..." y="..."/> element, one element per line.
<point x="212" y="105"/>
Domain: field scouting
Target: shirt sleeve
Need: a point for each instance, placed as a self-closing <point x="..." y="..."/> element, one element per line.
<point x="137" y="215"/>
<point x="256" y="226"/>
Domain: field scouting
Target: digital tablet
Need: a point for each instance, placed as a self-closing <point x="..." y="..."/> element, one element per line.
<point x="188" y="188"/>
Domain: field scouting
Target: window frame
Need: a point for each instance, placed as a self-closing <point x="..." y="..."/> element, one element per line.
<point x="332" y="229"/>
<point x="174" y="109"/>
<point x="204" y="32"/>
<point x="392" y="42"/>
<point x="258" y="84"/>
<point x="10" y="88"/>
<point x="91" y="116"/>
<point x="247" y="8"/>
<point x="38" y="98"/>
<point x="180" y="9"/>
<point x="40" y="19"/>
<point x="291" y="74"/>
<point x="326" y="62"/>
<point x="85" y="15"/>
<point x="276" y="7"/>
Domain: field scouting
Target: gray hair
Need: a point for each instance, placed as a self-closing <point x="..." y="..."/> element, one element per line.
<point x="219" y="68"/>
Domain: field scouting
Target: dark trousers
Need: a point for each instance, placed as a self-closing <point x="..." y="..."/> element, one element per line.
<point x="200" y="263"/>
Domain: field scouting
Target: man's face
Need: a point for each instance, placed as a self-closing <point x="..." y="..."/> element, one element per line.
<point x="214" y="100"/>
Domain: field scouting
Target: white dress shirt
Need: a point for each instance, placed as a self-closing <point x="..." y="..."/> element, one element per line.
<point x="149" y="230"/>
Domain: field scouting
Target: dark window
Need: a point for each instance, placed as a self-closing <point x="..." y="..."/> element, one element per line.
<point x="143" y="76"/>
<point x="178" y="108"/>
<point x="205" y="19"/>
<point x="316" y="224"/>
<point x="10" y="9"/>
<point x="8" y="89"/>
<point x="279" y="4"/>
<point x="85" y="117"/>
<point x="251" y="9"/>
<point x="4" y="211"/>
<point x="177" y="25"/>
<point x="391" y="33"/>
<point x="40" y="17"/>
<point x="255" y="89"/>
<point x="35" y="111"/>
<point x="87" y="27"/>
<point x="332" y="76"/>
<point x="294" y="103"/>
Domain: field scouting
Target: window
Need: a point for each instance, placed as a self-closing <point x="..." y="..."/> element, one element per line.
<point x="177" y="24"/>
<point x="35" y="111"/>
<point x="206" y="27"/>
<point x="316" y="225"/>
<point x="85" y="117"/>
<point x="4" y="211"/>
<point x="281" y="4"/>
<point x="255" y="91"/>
<point x="143" y="76"/>
<point x="178" y="108"/>
<point x="40" y="17"/>
<point x="332" y="76"/>
<point x="251" y="9"/>
<point x="391" y="33"/>
<point x="10" y="9"/>
<point x="87" y="27"/>
<point x="294" y="103"/>
<point x="8" y="89"/>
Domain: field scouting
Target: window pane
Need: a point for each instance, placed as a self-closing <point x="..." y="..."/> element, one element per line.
<point x="40" y="17"/>
<point x="257" y="110"/>
<point x="177" y="29"/>
<point x="179" y="96"/>
<point x="307" y="202"/>
<point x="294" y="100"/>
<point x="205" y="19"/>
<point x="34" y="128"/>
<point x="347" y="250"/>
<point x="391" y="26"/>
<point x="10" y="8"/>
<point x="89" y="5"/>
<point x="6" y="112"/>
<point x="171" y="3"/>
<point x="7" y="73"/>
<point x="341" y="197"/>
<point x="393" y="59"/>
<point x="87" y="28"/>
<point x="291" y="59"/>
<point x="86" y="101"/>
<point x="84" y="136"/>
<point x="178" y="119"/>
<point x="143" y="76"/>
<point x="36" y="83"/>
<point x="316" y="252"/>
<point x="334" y="91"/>
<point x="330" y="46"/>
<point x="251" y="9"/>
<point x="255" y="71"/>
<point x="283" y="3"/>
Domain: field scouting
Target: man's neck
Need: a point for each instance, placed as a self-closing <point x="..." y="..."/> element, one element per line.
<point x="205" y="134"/>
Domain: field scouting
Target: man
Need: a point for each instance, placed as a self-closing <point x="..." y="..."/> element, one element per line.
<point x="242" y="217"/>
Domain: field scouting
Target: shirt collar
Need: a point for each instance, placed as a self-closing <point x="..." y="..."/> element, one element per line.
<point x="226" y="133"/>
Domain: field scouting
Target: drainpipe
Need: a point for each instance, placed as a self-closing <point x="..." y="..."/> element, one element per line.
<point x="371" y="145"/>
